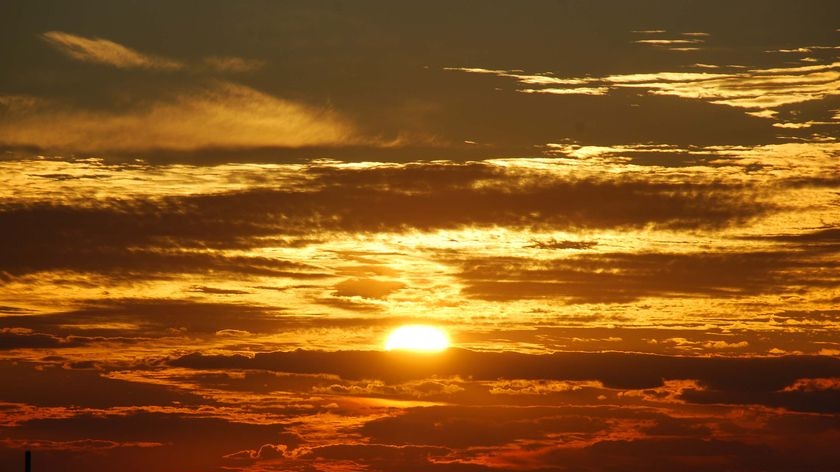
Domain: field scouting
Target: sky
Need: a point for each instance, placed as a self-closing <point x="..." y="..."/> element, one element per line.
<point x="623" y="215"/>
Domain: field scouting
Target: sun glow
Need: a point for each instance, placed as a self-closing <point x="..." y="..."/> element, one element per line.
<point x="419" y="338"/>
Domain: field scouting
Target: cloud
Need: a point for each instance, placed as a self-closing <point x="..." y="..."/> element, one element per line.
<point x="613" y="370"/>
<point x="103" y="51"/>
<point x="691" y="41"/>
<point x="539" y="387"/>
<point x="214" y="115"/>
<point x="461" y="427"/>
<point x="22" y="338"/>
<point x="218" y="115"/>
<point x="78" y="445"/>
<point x="383" y="457"/>
<point x="811" y="385"/>
<point x="756" y="90"/>
<point x="555" y="244"/>
<point x="35" y="385"/>
<point x="625" y="277"/>
<point x="429" y="388"/>
<point x="181" y="441"/>
<point x="793" y="399"/>
<point x="153" y="235"/>
<point x="121" y="319"/>
<point x="367" y="288"/>
<point x="233" y="64"/>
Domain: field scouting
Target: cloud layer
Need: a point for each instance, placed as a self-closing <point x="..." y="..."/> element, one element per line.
<point x="624" y="215"/>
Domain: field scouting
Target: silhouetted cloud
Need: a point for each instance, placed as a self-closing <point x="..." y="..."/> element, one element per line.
<point x="619" y="278"/>
<point x="615" y="370"/>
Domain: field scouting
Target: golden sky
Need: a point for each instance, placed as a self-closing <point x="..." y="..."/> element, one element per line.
<point x="622" y="217"/>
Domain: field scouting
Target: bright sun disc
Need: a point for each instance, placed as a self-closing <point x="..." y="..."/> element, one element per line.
<point x="417" y="338"/>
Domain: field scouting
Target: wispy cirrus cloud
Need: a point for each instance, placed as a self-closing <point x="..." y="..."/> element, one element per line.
<point x="758" y="91"/>
<point x="690" y="41"/>
<point x="233" y="64"/>
<point x="214" y="113"/>
<point x="111" y="53"/>
<point x="103" y="51"/>
<point x="219" y="115"/>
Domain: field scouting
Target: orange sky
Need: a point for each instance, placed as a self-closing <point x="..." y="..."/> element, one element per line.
<point x="625" y="218"/>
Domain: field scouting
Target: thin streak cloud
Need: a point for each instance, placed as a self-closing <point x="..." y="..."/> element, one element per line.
<point x="758" y="91"/>
<point x="103" y="51"/>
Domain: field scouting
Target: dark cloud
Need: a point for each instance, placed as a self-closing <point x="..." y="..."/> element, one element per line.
<point x="625" y="277"/>
<point x="549" y="203"/>
<point x="555" y="244"/>
<point x="826" y="238"/>
<point x="678" y="447"/>
<point x="131" y="239"/>
<point x="183" y="442"/>
<point x="144" y="320"/>
<point x="217" y="291"/>
<point x="153" y="238"/>
<point x="11" y="338"/>
<point x="367" y="288"/>
<point x="816" y="401"/>
<point x="457" y="428"/>
<point x="614" y="370"/>
<point x="581" y="438"/>
<point x="117" y="319"/>
<point x="36" y="385"/>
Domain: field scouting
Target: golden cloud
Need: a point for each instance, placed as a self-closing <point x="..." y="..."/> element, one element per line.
<point x="221" y="115"/>
<point x="758" y="91"/>
<point x="233" y="64"/>
<point x="103" y="51"/>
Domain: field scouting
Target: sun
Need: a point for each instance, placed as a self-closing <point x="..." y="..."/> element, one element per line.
<point x="418" y="338"/>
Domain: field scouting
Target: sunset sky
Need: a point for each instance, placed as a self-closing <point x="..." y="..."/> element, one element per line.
<point x="622" y="216"/>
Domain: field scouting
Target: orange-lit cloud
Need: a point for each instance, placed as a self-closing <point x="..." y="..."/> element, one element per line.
<point x="626" y="222"/>
<point x="221" y="114"/>
<point x="233" y="64"/>
<point x="685" y="42"/>
<point x="103" y="51"/>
